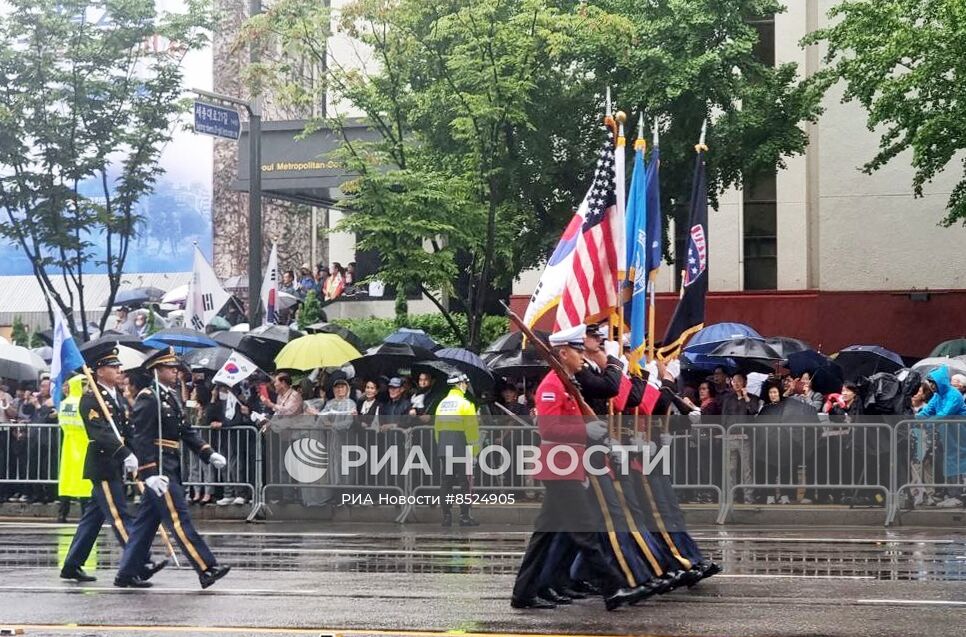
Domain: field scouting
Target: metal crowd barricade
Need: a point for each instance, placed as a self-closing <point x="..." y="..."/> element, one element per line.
<point x="698" y="460"/>
<point x="929" y="455"/>
<point x="242" y="448"/>
<point x="303" y="461"/>
<point x="29" y="455"/>
<point x="838" y="457"/>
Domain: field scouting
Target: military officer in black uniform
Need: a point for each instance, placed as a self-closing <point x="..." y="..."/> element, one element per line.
<point x="159" y="421"/>
<point x="109" y="459"/>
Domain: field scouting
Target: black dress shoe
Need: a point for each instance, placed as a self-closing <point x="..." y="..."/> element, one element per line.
<point x="571" y="593"/>
<point x="692" y="577"/>
<point x="552" y="596"/>
<point x="652" y="587"/>
<point x="625" y="596"/>
<point x="151" y="568"/>
<point x="131" y="582"/>
<point x="466" y="520"/>
<point x="447" y="520"/>
<point x="77" y="574"/>
<point x="709" y="568"/>
<point x="533" y="602"/>
<point x="212" y="575"/>
<point x="585" y="587"/>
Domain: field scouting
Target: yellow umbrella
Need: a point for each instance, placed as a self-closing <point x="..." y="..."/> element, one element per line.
<point x="315" y="350"/>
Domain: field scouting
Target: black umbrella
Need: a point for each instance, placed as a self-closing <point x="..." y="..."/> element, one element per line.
<point x="524" y="363"/>
<point x="387" y="359"/>
<point x="208" y="358"/>
<point x="227" y="338"/>
<point x="331" y="328"/>
<point x="438" y="369"/>
<point x="470" y="364"/>
<point x="750" y="354"/>
<point x="128" y="340"/>
<point x="512" y="342"/>
<point x="827" y="376"/>
<point x="263" y="344"/>
<point x="413" y="337"/>
<point x="137" y="296"/>
<point x="786" y="346"/>
<point x="862" y="361"/>
<point x="789" y="446"/>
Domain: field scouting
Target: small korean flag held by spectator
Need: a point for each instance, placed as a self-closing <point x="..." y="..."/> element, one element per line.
<point x="236" y="369"/>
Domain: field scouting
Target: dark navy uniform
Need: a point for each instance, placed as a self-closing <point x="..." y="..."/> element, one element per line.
<point x="103" y="466"/>
<point x="169" y="508"/>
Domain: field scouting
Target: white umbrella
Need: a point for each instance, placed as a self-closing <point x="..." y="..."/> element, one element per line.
<point x="130" y="358"/>
<point x="46" y="352"/>
<point x="19" y="363"/>
<point x="177" y="295"/>
<point x="286" y="300"/>
<point x="926" y="365"/>
<point x="241" y="327"/>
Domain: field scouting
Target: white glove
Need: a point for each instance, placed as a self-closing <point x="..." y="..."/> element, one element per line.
<point x="666" y="439"/>
<point x="596" y="430"/>
<point x="695" y="416"/>
<point x="130" y="464"/>
<point x="158" y="484"/>
<point x="218" y="461"/>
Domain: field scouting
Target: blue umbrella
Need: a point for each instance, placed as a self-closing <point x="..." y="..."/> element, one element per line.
<point x="181" y="339"/>
<point x="470" y="364"/>
<point x="705" y="363"/>
<point x="714" y="335"/>
<point x="408" y="336"/>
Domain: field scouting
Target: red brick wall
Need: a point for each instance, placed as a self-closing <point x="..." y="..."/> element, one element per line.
<point x="831" y="320"/>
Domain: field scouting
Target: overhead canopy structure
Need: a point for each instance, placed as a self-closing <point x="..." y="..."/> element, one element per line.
<point x="301" y="170"/>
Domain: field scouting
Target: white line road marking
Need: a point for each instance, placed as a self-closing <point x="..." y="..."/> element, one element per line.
<point x="909" y="602"/>
<point x="359" y="551"/>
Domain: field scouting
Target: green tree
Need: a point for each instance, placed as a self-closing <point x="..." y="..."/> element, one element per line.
<point x="19" y="334"/>
<point x="488" y="114"/>
<point x="904" y="62"/>
<point x="87" y="101"/>
<point x="311" y="310"/>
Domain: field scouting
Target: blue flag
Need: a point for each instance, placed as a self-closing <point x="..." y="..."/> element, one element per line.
<point x="66" y="359"/>
<point x="655" y="222"/>
<point x="636" y="309"/>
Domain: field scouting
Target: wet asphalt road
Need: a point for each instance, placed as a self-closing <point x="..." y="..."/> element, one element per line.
<point x="311" y="579"/>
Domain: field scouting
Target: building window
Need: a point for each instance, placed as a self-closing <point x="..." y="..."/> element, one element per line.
<point x="761" y="233"/>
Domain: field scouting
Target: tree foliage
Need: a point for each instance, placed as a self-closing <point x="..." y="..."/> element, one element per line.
<point x="87" y="102"/>
<point x="904" y="61"/>
<point x="488" y="115"/>
<point x="311" y="310"/>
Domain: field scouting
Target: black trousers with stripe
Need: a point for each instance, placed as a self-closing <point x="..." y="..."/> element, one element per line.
<point x="171" y="510"/>
<point x="107" y="503"/>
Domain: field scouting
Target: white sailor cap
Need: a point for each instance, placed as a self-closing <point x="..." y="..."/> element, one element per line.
<point x="456" y="378"/>
<point x="572" y="336"/>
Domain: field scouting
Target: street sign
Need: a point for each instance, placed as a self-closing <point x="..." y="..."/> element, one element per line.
<point x="217" y="121"/>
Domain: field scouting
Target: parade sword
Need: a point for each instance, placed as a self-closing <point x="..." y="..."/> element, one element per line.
<point x="110" y="420"/>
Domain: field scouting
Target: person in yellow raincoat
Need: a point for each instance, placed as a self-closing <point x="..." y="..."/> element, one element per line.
<point x="73" y="448"/>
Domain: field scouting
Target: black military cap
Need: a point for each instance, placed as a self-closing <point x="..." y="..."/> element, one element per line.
<point x="162" y="358"/>
<point x="100" y="354"/>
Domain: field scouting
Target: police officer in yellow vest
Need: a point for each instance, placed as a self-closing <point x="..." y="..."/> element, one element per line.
<point x="457" y="428"/>
<point x="73" y="449"/>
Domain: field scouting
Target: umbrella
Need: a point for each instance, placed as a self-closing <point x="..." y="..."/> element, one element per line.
<point x="745" y="347"/>
<point x="181" y="339"/>
<point x="137" y="296"/>
<point x="177" y="296"/>
<point x="408" y="336"/>
<point x="704" y="363"/>
<point x="955" y="347"/>
<point x="522" y="363"/>
<point x="470" y="364"/>
<point x="332" y="328"/>
<point x="388" y="358"/>
<point x="786" y="346"/>
<point x="827" y="375"/>
<point x="926" y="365"/>
<point x="285" y="300"/>
<point x="789" y="446"/>
<point x="46" y="353"/>
<point x="439" y="369"/>
<point x="858" y="361"/>
<point x="512" y="342"/>
<point x="710" y="337"/>
<point x="208" y="358"/>
<point x="316" y="350"/>
<point x="19" y="363"/>
<point x="227" y="338"/>
<point x="238" y="282"/>
<point x="263" y="344"/>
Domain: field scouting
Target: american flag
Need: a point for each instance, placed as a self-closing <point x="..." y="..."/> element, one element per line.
<point x="591" y="291"/>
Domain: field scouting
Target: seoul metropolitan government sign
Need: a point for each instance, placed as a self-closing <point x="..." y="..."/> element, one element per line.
<point x="217" y="121"/>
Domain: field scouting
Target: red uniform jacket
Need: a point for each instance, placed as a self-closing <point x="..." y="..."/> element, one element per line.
<point x="561" y="425"/>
